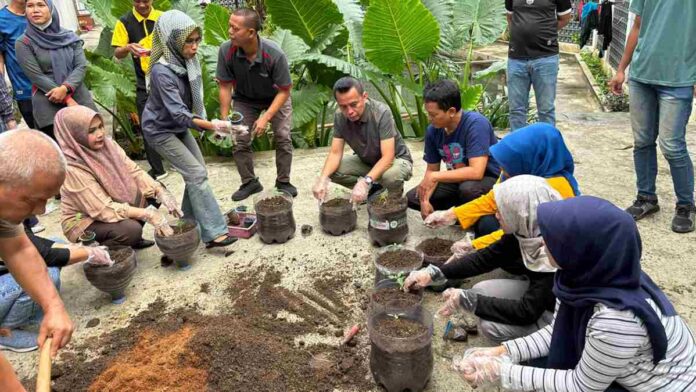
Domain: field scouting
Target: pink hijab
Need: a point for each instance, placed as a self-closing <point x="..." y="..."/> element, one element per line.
<point x="71" y="127"/>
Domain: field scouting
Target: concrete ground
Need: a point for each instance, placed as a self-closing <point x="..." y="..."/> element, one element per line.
<point x="601" y="144"/>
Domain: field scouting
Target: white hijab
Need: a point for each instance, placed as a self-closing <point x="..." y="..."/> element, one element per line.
<point x="517" y="199"/>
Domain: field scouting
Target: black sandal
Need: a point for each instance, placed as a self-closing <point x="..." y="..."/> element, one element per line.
<point x="227" y="241"/>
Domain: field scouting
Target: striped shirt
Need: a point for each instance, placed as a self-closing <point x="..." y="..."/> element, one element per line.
<point x="617" y="348"/>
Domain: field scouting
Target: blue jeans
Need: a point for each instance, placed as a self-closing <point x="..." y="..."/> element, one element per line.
<point x="660" y="113"/>
<point x="521" y="75"/>
<point x="17" y="309"/>
<point x="199" y="203"/>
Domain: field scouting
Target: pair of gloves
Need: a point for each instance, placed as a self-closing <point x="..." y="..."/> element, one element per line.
<point x="481" y="367"/>
<point x="358" y="195"/>
<point x="224" y="128"/>
<point x="159" y="220"/>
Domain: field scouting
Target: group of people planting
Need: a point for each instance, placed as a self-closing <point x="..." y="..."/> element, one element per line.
<point x="579" y="313"/>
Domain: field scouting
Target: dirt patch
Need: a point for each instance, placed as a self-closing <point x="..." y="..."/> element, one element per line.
<point x="182" y="227"/>
<point x="273" y="204"/>
<point x="436" y="247"/>
<point x="399" y="327"/>
<point x="398" y="259"/>
<point x="245" y="349"/>
<point x="156" y="363"/>
<point x="205" y="288"/>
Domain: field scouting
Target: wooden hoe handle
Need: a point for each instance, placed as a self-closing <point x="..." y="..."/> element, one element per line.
<point x="43" y="380"/>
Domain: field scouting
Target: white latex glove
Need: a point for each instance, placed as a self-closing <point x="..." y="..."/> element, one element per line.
<point x="238" y="131"/>
<point x="159" y="221"/>
<point x="169" y="202"/>
<point x="321" y="188"/>
<point x="222" y="126"/>
<point x="480" y="371"/>
<point x="457" y="300"/>
<point x="430" y="275"/>
<point x="461" y="248"/>
<point x="441" y="219"/>
<point x="360" y="191"/>
<point x="99" y="255"/>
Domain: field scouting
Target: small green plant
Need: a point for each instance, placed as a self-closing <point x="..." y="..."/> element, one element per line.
<point x="615" y="103"/>
<point x="399" y="278"/>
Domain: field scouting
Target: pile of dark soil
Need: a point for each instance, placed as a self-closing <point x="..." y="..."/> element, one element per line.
<point x="399" y="327"/>
<point x="395" y="297"/>
<point x="273" y="204"/>
<point x="436" y="247"/>
<point x="246" y="349"/>
<point x="399" y="259"/>
<point x="389" y="203"/>
<point x="183" y="226"/>
<point x="338" y="202"/>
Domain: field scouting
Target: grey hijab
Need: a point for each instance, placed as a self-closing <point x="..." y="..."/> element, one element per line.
<point x="517" y="199"/>
<point x="168" y="40"/>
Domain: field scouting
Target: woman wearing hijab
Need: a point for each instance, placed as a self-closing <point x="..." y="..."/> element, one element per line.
<point x="54" y="61"/>
<point x="507" y="308"/>
<point x="104" y="191"/>
<point x="538" y="150"/>
<point x="175" y="104"/>
<point x="612" y="324"/>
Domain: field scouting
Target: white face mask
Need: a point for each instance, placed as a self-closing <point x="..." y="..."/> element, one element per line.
<point x="534" y="255"/>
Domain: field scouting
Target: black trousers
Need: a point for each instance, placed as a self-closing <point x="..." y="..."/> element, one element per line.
<point x="448" y="195"/>
<point x="153" y="158"/>
<point x="452" y="194"/>
<point x="27" y="110"/>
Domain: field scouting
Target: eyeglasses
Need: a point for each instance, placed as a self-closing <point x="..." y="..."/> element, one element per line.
<point x="191" y="41"/>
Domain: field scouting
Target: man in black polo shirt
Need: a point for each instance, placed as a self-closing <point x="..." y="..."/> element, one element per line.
<point x="133" y="35"/>
<point x="257" y="71"/>
<point x="533" y="56"/>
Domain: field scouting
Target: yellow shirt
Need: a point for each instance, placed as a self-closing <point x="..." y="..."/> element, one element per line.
<point x="120" y="37"/>
<point x="469" y="213"/>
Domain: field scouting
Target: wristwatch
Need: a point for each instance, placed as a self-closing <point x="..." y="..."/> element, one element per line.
<point x="369" y="180"/>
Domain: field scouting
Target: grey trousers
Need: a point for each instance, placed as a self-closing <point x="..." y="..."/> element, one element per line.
<point x="281" y="124"/>
<point x="393" y="179"/>
<point x="510" y="289"/>
<point x="199" y="203"/>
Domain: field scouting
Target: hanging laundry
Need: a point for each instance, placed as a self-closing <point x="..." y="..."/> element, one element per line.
<point x="590" y="21"/>
<point x="605" y="27"/>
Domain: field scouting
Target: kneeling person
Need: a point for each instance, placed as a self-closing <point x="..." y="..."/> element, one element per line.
<point x="461" y="140"/>
<point x="381" y="158"/>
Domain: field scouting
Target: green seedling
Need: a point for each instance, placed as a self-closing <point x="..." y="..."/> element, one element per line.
<point x="399" y="278"/>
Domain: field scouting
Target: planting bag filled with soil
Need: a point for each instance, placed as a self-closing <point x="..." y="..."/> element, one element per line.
<point x="388" y="220"/>
<point x="275" y="220"/>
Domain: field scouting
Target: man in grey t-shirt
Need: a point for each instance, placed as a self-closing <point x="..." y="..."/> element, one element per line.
<point x="381" y="156"/>
<point x="257" y="71"/>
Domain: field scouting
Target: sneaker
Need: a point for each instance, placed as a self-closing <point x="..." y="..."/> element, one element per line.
<point x="158" y="177"/>
<point x="37" y="228"/>
<point x="248" y="189"/>
<point x="19" y="341"/>
<point x="287" y="187"/>
<point x="643" y="206"/>
<point x="684" y="218"/>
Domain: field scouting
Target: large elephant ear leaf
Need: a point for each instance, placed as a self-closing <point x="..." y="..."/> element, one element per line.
<point x="307" y="19"/>
<point x="216" y="24"/>
<point x="121" y="7"/>
<point x="293" y="46"/>
<point x="397" y="32"/>
<point x="482" y="21"/>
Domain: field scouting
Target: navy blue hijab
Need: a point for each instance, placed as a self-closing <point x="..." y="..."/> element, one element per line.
<point x="597" y="247"/>
<point x="536" y="149"/>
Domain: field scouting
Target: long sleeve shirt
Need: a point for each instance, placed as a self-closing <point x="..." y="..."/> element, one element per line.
<point x="82" y="193"/>
<point x="469" y="213"/>
<point x="36" y="64"/>
<point x="617" y="349"/>
<point x="505" y="254"/>
<point x="168" y="108"/>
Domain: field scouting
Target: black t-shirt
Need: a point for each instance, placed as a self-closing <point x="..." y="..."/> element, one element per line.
<point x="534" y="27"/>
